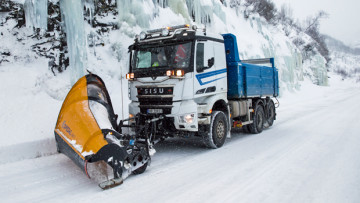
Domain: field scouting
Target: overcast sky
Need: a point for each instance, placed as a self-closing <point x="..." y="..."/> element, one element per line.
<point x="342" y="23"/>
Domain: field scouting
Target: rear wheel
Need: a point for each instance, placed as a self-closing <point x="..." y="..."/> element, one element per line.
<point x="245" y="129"/>
<point x="270" y="113"/>
<point x="216" y="136"/>
<point x="258" y="121"/>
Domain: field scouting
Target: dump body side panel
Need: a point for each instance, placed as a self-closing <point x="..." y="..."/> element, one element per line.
<point x="236" y="80"/>
<point x="259" y="80"/>
<point x="245" y="79"/>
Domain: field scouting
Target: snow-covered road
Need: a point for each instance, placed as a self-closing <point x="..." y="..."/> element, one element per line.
<point x="310" y="154"/>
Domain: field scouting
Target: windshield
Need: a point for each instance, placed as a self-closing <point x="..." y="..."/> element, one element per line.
<point x="169" y="56"/>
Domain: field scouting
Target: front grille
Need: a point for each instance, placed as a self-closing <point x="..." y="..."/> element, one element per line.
<point x="156" y="98"/>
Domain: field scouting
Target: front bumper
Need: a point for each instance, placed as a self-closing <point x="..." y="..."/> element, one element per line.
<point x="179" y="111"/>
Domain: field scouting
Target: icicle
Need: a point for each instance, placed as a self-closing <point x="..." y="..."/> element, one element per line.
<point x="163" y="3"/>
<point x="72" y="15"/>
<point x="201" y="10"/>
<point x="90" y="9"/>
<point x="179" y="7"/>
<point x="132" y="12"/>
<point x="36" y="13"/>
<point x="217" y="9"/>
<point x="197" y="11"/>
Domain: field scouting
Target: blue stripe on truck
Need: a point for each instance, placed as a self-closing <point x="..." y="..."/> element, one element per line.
<point x="202" y="76"/>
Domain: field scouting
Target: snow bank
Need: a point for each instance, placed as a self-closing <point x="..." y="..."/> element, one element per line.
<point x="31" y="100"/>
<point x="27" y="150"/>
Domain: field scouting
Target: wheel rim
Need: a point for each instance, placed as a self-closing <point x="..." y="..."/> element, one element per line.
<point x="220" y="130"/>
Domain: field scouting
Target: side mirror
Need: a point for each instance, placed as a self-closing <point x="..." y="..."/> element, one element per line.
<point x="211" y="62"/>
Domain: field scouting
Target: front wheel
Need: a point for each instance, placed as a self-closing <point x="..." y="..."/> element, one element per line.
<point x="216" y="136"/>
<point x="140" y="170"/>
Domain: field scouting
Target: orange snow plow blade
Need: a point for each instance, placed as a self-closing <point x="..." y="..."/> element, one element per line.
<point x="86" y="132"/>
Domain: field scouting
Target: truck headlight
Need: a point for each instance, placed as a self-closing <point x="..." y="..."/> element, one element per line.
<point x="130" y="76"/>
<point x="187" y="118"/>
<point x="179" y="73"/>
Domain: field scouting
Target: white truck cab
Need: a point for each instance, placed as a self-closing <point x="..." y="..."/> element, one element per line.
<point x="185" y="86"/>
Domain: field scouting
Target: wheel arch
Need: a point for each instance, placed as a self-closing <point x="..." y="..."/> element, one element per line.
<point x="260" y="101"/>
<point x="221" y="105"/>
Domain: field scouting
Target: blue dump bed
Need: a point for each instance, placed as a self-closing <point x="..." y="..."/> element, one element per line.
<point x="249" y="80"/>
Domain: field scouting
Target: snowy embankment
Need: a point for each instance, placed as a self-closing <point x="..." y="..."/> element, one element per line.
<point x="310" y="154"/>
<point x="31" y="102"/>
<point x="26" y="109"/>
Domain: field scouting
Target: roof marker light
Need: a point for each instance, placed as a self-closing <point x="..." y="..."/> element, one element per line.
<point x="165" y="32"/>
<point x="143" y="35"/>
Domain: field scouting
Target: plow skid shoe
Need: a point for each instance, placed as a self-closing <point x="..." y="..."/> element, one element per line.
<point x="86" y="132"/>
<point x="111" y="183"/>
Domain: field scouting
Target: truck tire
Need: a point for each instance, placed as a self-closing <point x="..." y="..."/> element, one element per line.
<point x="140" y="170"/>
<point x="270" y="113"/>
<point x="258" y="120"/>
<point x="216" y="136"/>
<point x="245" y="129"/>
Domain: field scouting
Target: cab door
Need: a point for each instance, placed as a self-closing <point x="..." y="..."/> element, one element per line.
<point x="205" y="69"/>
<point x="220" y="67"/>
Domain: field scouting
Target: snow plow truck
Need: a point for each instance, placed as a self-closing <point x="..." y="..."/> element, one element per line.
<point x="183" y="82"/>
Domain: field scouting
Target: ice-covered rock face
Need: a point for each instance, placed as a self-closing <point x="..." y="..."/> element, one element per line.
<point x="204" y="10"/>
<point x="36" y="13"/>
<point x="72" y="15"/>
<point x="287" y="57"/>
<point x="136" y="12"/>
<point x="258" y="39"/>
